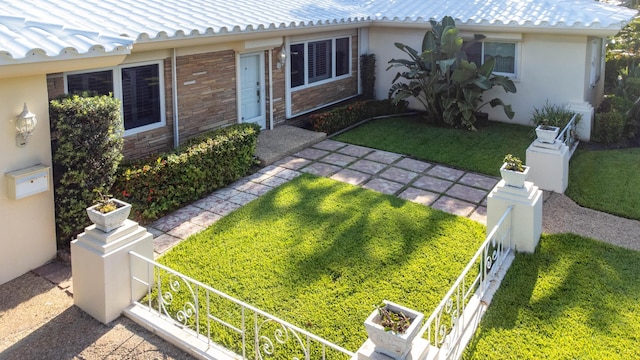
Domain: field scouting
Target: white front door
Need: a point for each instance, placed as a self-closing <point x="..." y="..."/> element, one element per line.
<point x="252" y="89"/>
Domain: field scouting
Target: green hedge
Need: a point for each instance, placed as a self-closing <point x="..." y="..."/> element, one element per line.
<point x="87" y="149"/>
<point x="608" y="127"/>
<point x="165" y="183"/>
<point x="342" y="117"/>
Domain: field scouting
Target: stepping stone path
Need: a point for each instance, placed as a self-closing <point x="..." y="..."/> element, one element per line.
<point x="444" y="188"/>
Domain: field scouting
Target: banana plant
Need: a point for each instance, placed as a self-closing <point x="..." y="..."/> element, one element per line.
<point x="439" y="76"/>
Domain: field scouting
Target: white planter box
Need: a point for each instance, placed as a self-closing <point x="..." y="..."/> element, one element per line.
<point x="514" y="178"/>
<point x="111" y="220"/>
<point x="547" y="134"/>
<point x="394" y="345"/>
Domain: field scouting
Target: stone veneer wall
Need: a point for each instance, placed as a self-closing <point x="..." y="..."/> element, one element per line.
<point x="279" y="112"/>
<point x="313" y="97"/>
<point x="207" y="92"/>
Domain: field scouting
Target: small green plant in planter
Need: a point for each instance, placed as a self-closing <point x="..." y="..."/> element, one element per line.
<point x="108" y="213"/>
<point x="105" y="203"/>
<point x="396" y="322"/>
<point x="513" y="172"/>
<point x="513" y="163"/>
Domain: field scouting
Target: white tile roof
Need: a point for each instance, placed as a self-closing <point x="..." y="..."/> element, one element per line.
<point x="557" y="15"/>
<point x="32" y="41"/>
<point x="47" y="28"/>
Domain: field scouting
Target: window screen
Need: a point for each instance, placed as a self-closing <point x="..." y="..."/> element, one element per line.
<point x="100" y="82"/>
<point x="140" y="96"/>
<point x="342" y="56"/>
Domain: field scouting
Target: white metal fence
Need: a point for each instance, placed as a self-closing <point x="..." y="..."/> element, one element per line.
<point x="215" y="317"/>
<point x="445" y="325"/>
<point x="569" y="135"/>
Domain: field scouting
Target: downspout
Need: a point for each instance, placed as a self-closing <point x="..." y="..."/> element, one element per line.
<point x="174" y="93"/>
<point x="359" y="54"/>
<point x="270" y="89"/>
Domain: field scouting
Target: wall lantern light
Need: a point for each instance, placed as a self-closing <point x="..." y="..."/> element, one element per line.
<point x="283" y="57"/>
<point x="25" y="124"/>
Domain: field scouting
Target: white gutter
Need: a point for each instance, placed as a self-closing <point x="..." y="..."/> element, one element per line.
<point x="174" y="93"/>
<point x="270" y="89"/>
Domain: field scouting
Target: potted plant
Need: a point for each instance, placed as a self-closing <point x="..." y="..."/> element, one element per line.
<point x="513" y="172"/>
<point x="108" y="213"/>
<point x="546" y="133"/>
<point x="392" y="328"/>
<point x="549" y="117"/>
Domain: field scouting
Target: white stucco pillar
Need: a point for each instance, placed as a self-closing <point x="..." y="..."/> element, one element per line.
<point x="526" y="216"/>
<point x="101" y="270"/>
<point x="549" y="165"/>
<point x="583" y="128"/>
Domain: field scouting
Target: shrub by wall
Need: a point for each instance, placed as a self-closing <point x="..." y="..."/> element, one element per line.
<point x="608" y="127"/>
<point x="368" y="75"/>
<point x="342" y="117"/>
<point x="86" y="155"/>
<point x="165" y="183"/>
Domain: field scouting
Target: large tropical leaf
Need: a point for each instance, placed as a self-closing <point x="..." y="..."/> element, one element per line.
<point x="503" y="81"/>
<point x="507" y="108"/>
<point x="451" y="42"/>
<point x="487" y="67"/>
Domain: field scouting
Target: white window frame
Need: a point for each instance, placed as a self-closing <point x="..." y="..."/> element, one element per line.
<point x="516" y="57"/>
<point x="117" y="91"/>
<point x="333" y="76"/>
<point x="597" y="58"/>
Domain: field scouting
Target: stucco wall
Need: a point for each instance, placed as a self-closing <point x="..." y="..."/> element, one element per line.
<point x="28" y="228"/>
<point x="551" y="67"/>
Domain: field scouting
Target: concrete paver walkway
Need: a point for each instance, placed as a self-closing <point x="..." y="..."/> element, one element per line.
<point x="452" y="190"/>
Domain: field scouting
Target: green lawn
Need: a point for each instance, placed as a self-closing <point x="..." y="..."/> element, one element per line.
<point x="607" y="180"/>
<point x="320" y="254"/>
<point x="480" y="151"/>
<point x="575" y="298"/>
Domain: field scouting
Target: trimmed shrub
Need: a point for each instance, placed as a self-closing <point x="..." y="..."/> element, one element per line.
<point x="608" y="127"/>
<point x="342" y="117"/>
<point x="157" y="186"/>
<point x="368" y="75"/>
<point x="86" y="155"/>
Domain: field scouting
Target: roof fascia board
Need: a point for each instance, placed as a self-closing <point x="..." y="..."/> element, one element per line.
<point x="49" y="66"/>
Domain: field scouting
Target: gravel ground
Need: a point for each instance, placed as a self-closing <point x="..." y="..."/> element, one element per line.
<point x="38" y="321"/>
<point x="562" y="215"/>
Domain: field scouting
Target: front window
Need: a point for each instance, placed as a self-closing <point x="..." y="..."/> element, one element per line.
<point x="504" y="53"/>
<point x="319" y="60"/>
<point x="139" y="88"/>
<point x="141" y="96"/>
<point x="316" y="61"/>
